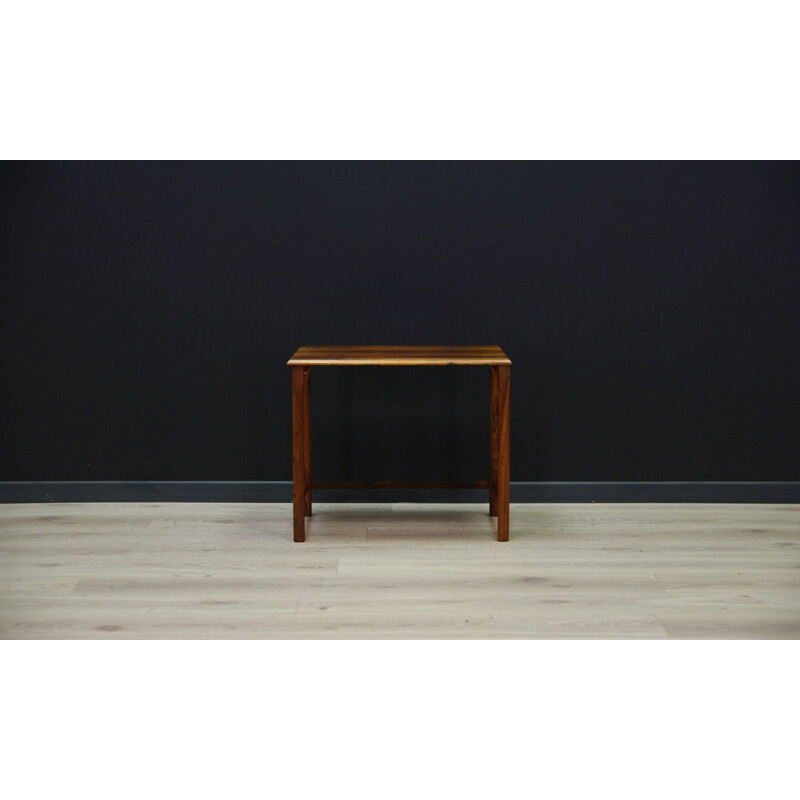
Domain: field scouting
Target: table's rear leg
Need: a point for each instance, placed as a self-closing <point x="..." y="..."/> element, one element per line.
<point x="307" y="440"/>
<point x="298" y="452"/>
<point x="504" y="451"/>
<point x="494" y="441"/>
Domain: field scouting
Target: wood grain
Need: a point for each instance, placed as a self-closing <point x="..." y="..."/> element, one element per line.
<point x="400" y="484"/>
<point x="307" y="440"/>
<point x="494" y="441"/>
<point x="399" y="355"/>
<point x="399" y="571"/>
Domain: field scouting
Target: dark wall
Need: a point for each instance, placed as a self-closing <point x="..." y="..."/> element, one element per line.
<point x="652" y="312"/>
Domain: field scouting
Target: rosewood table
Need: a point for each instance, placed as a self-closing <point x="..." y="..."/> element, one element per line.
<point x="380" y="355"/>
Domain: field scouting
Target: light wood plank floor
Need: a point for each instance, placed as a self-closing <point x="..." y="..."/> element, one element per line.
<point x="574" y="571"/>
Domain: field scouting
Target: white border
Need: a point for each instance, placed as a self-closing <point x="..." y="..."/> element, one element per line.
<point x="412" y="80"/>
<point x="400" y="719"/>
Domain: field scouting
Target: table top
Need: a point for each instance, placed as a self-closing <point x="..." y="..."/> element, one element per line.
<point x="399" y="355"/>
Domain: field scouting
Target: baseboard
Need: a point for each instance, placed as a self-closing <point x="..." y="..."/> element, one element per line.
<point x="281" y="492"/>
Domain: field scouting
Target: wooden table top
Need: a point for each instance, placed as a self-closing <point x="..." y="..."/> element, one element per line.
<point x="400" y="355"/>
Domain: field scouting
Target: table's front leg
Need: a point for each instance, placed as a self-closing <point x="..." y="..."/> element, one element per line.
<point x="299" y="386"/>
<point x="504" y="451"/>
<point x="494" y="441"/>
<point x="307" y="440"/>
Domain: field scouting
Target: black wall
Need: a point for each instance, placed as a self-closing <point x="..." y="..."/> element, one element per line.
<point x="652" y="312"/>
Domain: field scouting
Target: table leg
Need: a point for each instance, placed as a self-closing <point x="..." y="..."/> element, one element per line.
<point x="504" y="451"/>
<point x="298" y="452"/>
<point x="307" y="440"/>
<point x="494" y="441"/>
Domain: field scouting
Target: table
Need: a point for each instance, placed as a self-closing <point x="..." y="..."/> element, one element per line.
<point x="402" y="356"/>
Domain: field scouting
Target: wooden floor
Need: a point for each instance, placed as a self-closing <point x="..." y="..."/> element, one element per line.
<point x="181" y="570"/>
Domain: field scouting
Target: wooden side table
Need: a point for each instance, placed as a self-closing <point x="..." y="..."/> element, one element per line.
<point x="380" y="355"/>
